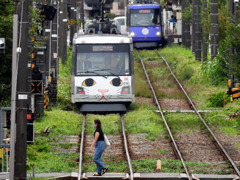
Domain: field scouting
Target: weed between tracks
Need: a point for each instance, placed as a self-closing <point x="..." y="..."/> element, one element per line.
<point x="42" y="154"/>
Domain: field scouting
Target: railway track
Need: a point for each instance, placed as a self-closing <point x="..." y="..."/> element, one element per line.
<point x="85" y="175"/>
<point x="176" y="147"/>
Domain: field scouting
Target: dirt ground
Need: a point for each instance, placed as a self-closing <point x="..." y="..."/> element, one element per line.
<point x="143" y="100"/>
<point x="174" y="104"/>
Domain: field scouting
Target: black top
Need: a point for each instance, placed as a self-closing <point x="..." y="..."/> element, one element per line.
<point x="101" y="136"/>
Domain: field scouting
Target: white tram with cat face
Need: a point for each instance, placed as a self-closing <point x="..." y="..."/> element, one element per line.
<point x="103" y="73"/>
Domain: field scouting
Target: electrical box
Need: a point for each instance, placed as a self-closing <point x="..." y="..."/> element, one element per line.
<point x="30" y="132"/>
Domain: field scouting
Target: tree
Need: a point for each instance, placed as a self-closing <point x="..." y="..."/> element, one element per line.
<point x="6" y="20"/>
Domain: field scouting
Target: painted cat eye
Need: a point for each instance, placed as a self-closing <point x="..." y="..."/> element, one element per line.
<point x="88" y="82"/>
<point x="116" y="82"/>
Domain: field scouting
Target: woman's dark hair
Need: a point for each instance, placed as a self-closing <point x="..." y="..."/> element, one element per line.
<point x="98" y="123"/>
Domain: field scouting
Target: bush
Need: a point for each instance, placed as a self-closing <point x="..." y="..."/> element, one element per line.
<point x="216" y="100"/>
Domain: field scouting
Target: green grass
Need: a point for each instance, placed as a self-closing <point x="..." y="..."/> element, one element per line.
<point x="183" y="122"/>
<point x="168" y="165"/>
<point x="144" y="121"/>
<point x="41" y="154"/>
<point x="114" y="166"/>
<point x="220" y="120"/>
<point x="142" y="88"/>
<point x="61" y="122"/>
<point x="149" y="166"/>
<point x="47" y="162"/>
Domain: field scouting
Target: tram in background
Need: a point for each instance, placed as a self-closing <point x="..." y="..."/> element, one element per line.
<point x="144" y="23"/>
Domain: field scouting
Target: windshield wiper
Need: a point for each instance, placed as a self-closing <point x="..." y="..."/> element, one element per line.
<point x="95" y="73"/>
<point x="108" y="70"/>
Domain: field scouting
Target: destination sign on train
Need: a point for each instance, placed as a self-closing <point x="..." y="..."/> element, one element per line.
<point x="102" y="48"/>
<point x="144" y="11"/>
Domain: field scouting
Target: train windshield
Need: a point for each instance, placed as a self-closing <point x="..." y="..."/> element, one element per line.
<point x="103" y="60"/>
<point x="145" y="17"/>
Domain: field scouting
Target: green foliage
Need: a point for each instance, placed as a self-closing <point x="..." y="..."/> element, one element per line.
<point x="110" y="15"/>
<point x="187" y="14"/>
<point x="218" y="69"/>
<point x="6" y="23"/>
<point x="215" y="70"/>
<point x="216" y="100"/>
<point x="64" y="83"/>
<point x="36" y="20"/>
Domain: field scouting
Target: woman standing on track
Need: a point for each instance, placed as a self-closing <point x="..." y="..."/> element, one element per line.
<point x="100" y="146"/>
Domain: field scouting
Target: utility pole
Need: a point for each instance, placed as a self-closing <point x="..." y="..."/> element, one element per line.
<point x="22" y="96"/>
<point x="63" y="31"/>
<point x="186" y="36"/>
<point x="73" y="18"/>
<point x="53" y="72"/>
<point x="193" y="25"/>
<point x="197" y="29"/>
<point x="14" y="91"/>
<point x="205" y="35"/>
<point x="82" y="14"/>
<point x="214" y="28"/>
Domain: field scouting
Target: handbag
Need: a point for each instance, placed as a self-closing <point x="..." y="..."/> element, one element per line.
<point x="106" y="141"/>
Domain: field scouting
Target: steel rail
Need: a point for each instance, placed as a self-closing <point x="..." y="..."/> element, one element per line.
<point x="201" y="118"/>
<point x="81" y="148"/>
<point x="126" y="147"/>
<point x="164" y="119"/>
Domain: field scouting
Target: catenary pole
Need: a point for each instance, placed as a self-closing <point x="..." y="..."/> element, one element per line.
<point x="13" y="96"/>
<point x="63" y="20"/>
<point x="214" y="28"/>
<point x="82" y="13"/>
<point x="23" y="92"/>
<point x="53" y="73"/>
<point x="186" y="38"/>
<point x="205" y="32"/>
<point x="198" y="29"/>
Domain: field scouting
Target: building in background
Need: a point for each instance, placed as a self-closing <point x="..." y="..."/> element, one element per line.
<point x="119" y="7"/>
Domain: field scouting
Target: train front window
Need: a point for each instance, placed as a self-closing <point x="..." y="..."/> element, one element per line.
<point x="102" y="60"/>
<point x="144" y="17"/>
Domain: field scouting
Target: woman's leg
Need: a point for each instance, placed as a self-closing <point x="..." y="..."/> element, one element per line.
<point x="99" y="149"/>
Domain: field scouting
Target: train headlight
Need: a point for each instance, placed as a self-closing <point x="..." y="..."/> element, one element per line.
<point x="132" y="34"/>
<point x="158" y="33"/>
<point x="125" y="90"/>
<point x="80" y="90"/>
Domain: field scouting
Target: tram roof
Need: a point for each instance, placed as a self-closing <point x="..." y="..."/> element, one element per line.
<point x="143" y="6"/>
<point x="103" y="39"/>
